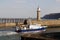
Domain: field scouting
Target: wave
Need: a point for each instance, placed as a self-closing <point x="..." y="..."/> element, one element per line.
<point x="4" y="33"/>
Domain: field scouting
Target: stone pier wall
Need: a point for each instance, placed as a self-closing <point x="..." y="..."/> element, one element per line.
<point x="48" y="22"/>
<point x="42" y="22"/>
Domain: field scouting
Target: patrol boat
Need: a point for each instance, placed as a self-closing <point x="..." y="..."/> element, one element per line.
<point x="31" y="28"/>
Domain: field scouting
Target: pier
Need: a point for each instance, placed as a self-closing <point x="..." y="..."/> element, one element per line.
<point x="12" y="22"/>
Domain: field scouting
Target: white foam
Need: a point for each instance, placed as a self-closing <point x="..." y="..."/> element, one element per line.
<point x="4" y="33"/>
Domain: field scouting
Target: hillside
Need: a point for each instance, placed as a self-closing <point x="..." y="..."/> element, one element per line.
<point x="52" y="16"/>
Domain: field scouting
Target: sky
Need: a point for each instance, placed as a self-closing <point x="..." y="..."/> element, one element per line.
<point x="27" y="8"/>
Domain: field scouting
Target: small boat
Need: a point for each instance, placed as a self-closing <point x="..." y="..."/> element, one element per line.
<point x="31" y="29"/>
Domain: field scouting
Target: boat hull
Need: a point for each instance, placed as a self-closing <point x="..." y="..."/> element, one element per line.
<point x="32" y="30"/>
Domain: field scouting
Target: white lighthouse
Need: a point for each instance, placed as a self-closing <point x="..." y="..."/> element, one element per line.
<point x="38" y="13"/>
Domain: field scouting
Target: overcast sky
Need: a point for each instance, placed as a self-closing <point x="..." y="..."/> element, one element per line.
<point x="27" y="8"/>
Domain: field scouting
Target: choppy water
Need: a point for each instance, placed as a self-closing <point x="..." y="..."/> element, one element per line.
<point x="9" y="34"/>
<point x="10" y="37"/>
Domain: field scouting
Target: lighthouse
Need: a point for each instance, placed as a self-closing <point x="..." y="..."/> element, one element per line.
<point x="38" y="13"/>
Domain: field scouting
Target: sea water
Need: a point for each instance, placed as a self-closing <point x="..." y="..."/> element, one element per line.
<point x="10" y="37"/>
<point x="9" y="34"/>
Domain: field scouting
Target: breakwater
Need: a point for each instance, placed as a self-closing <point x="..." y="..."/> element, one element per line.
<point x="20" y="22"/>
<point x="47" y="22"/>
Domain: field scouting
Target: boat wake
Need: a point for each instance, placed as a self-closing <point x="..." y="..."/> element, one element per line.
<point x="4" y="33"/>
